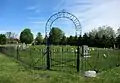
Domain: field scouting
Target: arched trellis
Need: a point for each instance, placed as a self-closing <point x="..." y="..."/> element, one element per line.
<point x="51" y="20"/>
<point x="63" y="14"/>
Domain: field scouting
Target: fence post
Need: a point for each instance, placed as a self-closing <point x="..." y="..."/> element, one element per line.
<point x="78" y="58"/>
<point x="48" y="57"/>
<point x="17" y="52"/>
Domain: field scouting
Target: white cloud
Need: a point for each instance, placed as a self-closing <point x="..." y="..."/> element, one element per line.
<point x="36" y="18"/>
<point x="59" y="5"/>
<point x="95" y="13"/>
<point x="35" y="9"/>
<point x="38" y="22"/>
<point x="31" y="8"/>
<point x="105" y="14"/>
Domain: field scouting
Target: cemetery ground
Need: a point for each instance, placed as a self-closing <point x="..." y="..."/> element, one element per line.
<point x="106" y="63"/>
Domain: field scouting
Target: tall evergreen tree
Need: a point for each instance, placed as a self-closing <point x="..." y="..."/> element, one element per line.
<point x="80" y="40"/>
<point x="118" y="41"/>
<point x="85" y="39"/>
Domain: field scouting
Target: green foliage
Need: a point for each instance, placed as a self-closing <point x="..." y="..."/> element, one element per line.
<point x="103" y="30"/>
<point x="26" y="36"/>
<point x="70" y="40"/>
<point x="38" y="39"/>
<point x="63" y="41"/>
<point x="85" y="39"/>
<point x="44" y="40"/>
<point x="56" y="35"/>
<point x="2" y="39"/>
<point x="118" y="31"/>
<point x="75" y="40"/>
<point x="102" y="37"/>
<point x="118" y="41"/>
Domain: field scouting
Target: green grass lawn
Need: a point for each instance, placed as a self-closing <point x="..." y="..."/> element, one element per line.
<point x="97" y="61"/>
<point x="34" y="57"/>
<point x="13" y="72"/>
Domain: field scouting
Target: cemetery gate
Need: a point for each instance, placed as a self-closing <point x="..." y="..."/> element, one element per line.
<point x="64" y="57"/>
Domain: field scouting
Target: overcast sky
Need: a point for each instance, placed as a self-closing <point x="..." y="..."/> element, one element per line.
<point x="15" y="15"/>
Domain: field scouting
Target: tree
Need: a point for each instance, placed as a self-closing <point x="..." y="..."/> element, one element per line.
<point x="26" y="36"/>
<point x="44" y="40"/>
<point x="70" y="40"/>
<point x="56" y="35"/>
<point x="8" y="35"/>
<point x="63" y="41"/>
<point x="104" y="30"/>
<point x="112" y="42"/>
<point x="75" y="41"/>
<point x="39" y="39"/>
<point x="107" y="31"/>
<point x="118" y="41"/>
<point x="93" y="32"/>
<point x="80" y="40"/>
<point x="102" y="37"/>
<point x="11" y="37"/>
<point x="118" y="31"/>
<point x="85" y="39"/>
<point x="104" y="41"/>
<point x="97" y="41"/>
<point x="91" y="40"/>
<point x="2" y="39"/>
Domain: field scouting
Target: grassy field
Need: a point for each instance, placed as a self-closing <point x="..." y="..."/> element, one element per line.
<point x="13" y="72"/>
<point x="63" y="58"/>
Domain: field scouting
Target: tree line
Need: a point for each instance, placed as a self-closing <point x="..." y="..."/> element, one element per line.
<point x="103" y="36"/>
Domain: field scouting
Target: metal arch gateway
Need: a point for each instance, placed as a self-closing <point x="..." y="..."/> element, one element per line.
<point x="63" y="14"/>
<point x="50" y="21"/>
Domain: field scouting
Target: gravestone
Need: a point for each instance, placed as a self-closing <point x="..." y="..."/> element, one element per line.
<point x="90" y="73"/>
<point x="24" y="46"/>
<point x="85" y="50"/>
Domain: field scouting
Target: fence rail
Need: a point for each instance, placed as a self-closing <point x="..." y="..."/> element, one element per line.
<point x="34" y="58"/>
<point x="64" y="58"/>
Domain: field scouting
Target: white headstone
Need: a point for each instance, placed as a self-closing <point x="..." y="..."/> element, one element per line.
<point x="24" y="46"/>
<point x="90" y="73"/>
<point x="93" y="49"/>
<point x="104" y="55"/>
<point x="89" y="49"/>
<point x="85" y="50"/>
<point x="75" y="50"/>
<point x="87" y="56"/>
